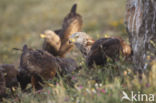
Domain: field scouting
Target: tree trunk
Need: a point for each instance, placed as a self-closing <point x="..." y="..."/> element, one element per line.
<point x="141" y="27"/>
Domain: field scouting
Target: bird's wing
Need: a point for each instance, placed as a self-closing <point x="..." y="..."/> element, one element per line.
<point x="72" y="22"/>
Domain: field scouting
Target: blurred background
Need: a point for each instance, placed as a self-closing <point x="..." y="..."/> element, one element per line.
<point x="22" y="21"/>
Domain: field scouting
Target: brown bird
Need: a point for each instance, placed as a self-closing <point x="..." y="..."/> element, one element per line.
<point x="35" y="65"/>
<point x="38" y="65"/>
<point x="98" y="51"/>
<point x="10" y="75"/>
<point x="72" y="23"/>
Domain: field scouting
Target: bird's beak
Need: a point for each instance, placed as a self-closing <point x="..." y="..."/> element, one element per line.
<point x="13" y="88"/>
<point x="72" y="40"/>
<point x="42" y="35"/>
<point x="90" y="42"/>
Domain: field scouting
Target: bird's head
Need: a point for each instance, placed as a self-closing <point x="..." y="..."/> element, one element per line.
<point x="81" y="38"/>
<point x="51" y="38"/>
<point x="48" y="34"/>
<point x="82" y="41"/>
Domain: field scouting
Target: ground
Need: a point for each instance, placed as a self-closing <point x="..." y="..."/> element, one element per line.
<point x="21" y="22"/>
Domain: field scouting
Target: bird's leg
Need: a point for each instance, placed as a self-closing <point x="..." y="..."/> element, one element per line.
<point x="35" y="81"/>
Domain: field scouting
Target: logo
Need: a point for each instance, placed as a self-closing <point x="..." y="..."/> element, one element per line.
<point x="137" y="97"/>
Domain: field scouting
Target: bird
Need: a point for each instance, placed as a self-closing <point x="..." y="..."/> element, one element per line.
<point x="72" y="23"/>
<point x="100" y="50"/>
<point x="52" y="42"/>
<point x="10" y="76"/>
<point x="37" y="66"/>
<point x="67" y="66"/>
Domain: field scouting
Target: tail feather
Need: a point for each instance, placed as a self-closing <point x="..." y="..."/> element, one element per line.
<point x="25" y="49"/>
<point x="73" y="9"/>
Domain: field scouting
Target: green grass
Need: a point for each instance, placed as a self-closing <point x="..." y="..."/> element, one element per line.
<point x="22" y="21"/>
<point x="100" y="85"/>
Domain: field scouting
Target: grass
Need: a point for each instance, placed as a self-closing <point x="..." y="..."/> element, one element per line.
<point x="100" y="85"/>
<point x="22" y="21"/>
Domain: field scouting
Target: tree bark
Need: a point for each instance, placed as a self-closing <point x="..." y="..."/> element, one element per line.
<point x="141" y="27"/>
